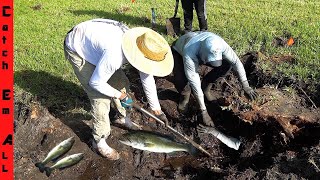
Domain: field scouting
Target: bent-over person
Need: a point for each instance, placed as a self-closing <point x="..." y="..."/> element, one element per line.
<point x="195" y="49"/>
<point x="97" y="49"/>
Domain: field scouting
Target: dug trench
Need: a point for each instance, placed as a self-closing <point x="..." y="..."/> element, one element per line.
<point x="279" y="133"/>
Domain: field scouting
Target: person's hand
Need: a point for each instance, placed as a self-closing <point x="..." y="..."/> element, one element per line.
<point x="250" y="92"/>
<point x="207" y="130"/>
<point x="206" y="118"/>
<point x="162" y="117"/>
<point x="126" y="102"/>
<point x="203" y="129"/>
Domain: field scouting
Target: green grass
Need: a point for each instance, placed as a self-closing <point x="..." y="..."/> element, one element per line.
<point x="247" y="25"/>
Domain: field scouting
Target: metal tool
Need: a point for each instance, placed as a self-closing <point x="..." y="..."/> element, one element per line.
<point x="153" y="19"/>
<point x="171" y="129"/>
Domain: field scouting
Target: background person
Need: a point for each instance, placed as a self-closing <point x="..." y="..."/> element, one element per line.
<point x="200" y="7"/>
<point x="97" y="49"/>
<point x="204" y="48"/>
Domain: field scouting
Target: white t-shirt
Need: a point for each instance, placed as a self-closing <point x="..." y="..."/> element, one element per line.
<point x="98" y="41"/>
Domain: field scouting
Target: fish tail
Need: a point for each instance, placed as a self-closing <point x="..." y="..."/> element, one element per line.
<point x="40" y="166"/>
<point x="192" y="150"/>
<point x="48" y="171"/>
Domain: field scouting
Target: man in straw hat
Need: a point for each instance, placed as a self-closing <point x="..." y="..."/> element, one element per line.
<point x="204" y="48"/>
<point x="97" y="49"/>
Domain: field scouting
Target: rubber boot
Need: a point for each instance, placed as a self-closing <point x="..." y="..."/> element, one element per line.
<point x="183" y="102"/>
<point x="207" y="92"/>
<point x="184" y="98"/>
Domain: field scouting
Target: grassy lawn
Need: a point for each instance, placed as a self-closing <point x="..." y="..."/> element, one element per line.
<point x="247" y="25"/>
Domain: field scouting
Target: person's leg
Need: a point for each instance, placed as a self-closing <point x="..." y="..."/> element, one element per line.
<point x="180" y="81"/>
<point x="187" y="6"/>
<point x="100" y="104"/>
<point x="210" y="78"/>
<point x="200" y="6"/>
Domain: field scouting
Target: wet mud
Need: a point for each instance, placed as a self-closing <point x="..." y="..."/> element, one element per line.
<point x="279" y="133"/>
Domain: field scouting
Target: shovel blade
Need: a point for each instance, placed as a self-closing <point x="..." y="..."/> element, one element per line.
<point x="173" y="26"/>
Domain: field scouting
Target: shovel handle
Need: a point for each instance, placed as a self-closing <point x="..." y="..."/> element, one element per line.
<point x="171" y="128"/>
<point x="153" y="18"/>
<point x="176" y="8"/>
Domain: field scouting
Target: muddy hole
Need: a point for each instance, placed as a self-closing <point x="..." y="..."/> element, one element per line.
<point x="279" y="134"/>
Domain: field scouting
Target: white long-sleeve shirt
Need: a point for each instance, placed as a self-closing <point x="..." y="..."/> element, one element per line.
<point x="188" y="46"/>
<point x="98" y="41"/>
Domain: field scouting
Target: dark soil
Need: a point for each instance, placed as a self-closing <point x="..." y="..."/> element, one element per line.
<point x="279" y="133"/>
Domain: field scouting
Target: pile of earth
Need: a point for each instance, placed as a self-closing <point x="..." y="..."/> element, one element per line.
<point x="279" y="133"/>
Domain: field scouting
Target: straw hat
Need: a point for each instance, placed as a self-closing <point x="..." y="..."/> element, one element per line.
<point x="147" y="51"/>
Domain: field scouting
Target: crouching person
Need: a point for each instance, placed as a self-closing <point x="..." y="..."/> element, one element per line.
<point x="191" y="51"/>
<point x="97" y="49"/>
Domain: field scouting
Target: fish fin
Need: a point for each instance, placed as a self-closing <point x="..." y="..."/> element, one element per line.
<point x="150" y="145"/>
<point x="159" y="134"/>
<point x="172" y="153"/>
<point x="40" y="166"/>
<point x="48" y="171"/>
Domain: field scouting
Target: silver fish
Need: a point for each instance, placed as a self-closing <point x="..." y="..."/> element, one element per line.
<point x="153" y="142"/>
<point x="57" y="151"/>
<point x="65" y="162"/>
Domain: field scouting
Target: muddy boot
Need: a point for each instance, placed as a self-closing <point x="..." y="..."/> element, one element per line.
<point x="183" y="103"/>
<point x="207" y="92"/>
<point x="184" y="99"/>
<point x="105" y="150"/>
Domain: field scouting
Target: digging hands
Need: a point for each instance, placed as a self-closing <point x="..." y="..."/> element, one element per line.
<point x="207" y="130"/>
<point x="162" y="117"/>
<point x="206" y="118"/>
<point x="126" y="101"/>
<point x="249" y="91"/>
<point x="203" y="129"/>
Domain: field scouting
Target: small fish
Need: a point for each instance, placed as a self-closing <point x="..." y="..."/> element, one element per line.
<point x="65" y="162"/>
<point x="57" y="151"/>
<point x="154" y="142"/>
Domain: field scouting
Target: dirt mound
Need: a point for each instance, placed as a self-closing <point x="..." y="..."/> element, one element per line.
<point x="279" y="133"/>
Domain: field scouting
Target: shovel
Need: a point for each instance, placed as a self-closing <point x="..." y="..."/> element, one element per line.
<point x="171" y="128"/>
<point x="153" y="18"/>
<point x="173" y="24"/>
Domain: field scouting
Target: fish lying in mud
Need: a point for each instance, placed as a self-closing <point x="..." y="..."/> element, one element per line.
<point x="57" y="151"/>
<point x="154" y="142"/>
<point x="65" y="162"/>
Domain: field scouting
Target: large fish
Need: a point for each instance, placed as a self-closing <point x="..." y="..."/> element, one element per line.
<point x="57" y="151"/>
<point x="65" y="162"/>
<point x="154" y="142"/>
